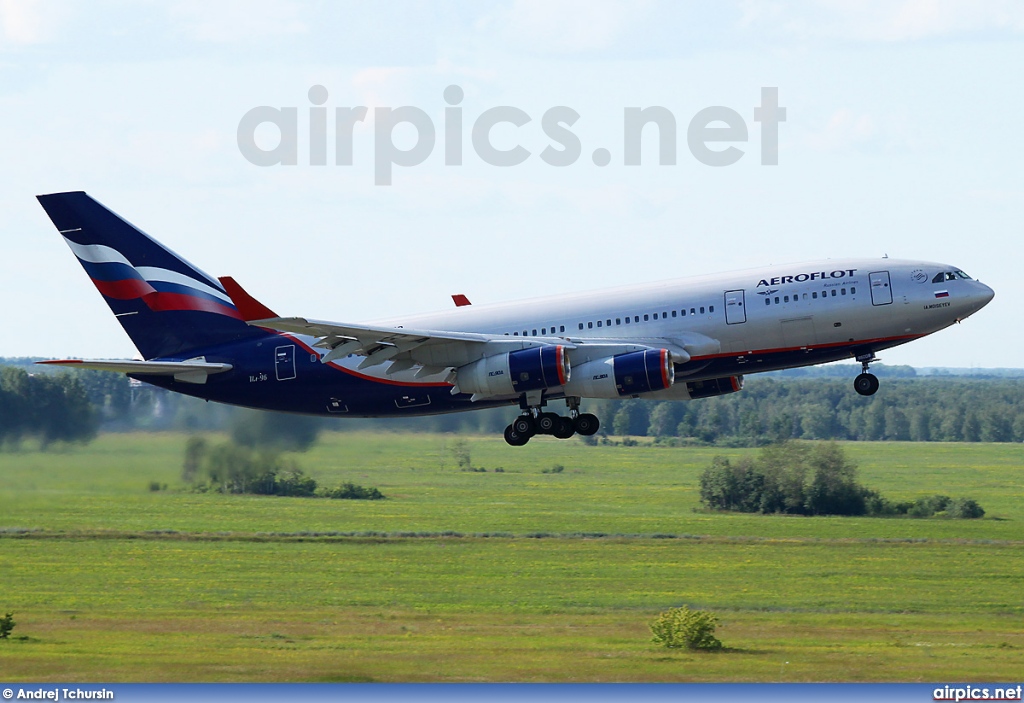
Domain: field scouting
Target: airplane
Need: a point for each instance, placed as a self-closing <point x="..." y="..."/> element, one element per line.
<point x="682" y="339"/>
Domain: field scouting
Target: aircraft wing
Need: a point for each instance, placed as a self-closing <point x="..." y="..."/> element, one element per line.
<point x="190" y="371"/>
<point x="435" y="350"/>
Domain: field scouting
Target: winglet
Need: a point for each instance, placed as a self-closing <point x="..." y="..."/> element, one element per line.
<point x="460" y="300"/>
<point x="248" y="307"/>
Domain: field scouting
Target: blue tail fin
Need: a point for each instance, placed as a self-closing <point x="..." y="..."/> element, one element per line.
<point x="166" y="305"/>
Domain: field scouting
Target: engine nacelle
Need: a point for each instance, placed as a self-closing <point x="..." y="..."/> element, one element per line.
<point x="624" y="375"/>
<point x="516" y="372"/>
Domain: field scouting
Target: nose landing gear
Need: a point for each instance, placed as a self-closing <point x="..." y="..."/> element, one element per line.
<point x="866" y="383"/>
<point x="533" y="422"/>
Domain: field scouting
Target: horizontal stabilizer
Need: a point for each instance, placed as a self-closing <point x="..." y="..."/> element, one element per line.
<point x="190" y="371"/>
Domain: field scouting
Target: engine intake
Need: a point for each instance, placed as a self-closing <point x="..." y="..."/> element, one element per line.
<point x="516" y="372"/>
<point x="624" y="375"/>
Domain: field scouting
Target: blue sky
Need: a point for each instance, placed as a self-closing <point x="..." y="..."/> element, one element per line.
<point x="902" y="137"/>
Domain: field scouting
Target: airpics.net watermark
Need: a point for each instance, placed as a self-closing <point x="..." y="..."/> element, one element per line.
<point x="715" y="125"/>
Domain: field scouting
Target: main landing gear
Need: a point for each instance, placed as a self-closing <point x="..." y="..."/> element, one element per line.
<point x="533" y="422"/>
<point x="866" y="383"/>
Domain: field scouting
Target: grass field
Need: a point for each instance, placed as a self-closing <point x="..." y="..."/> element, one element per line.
<point x="112" y="582"/>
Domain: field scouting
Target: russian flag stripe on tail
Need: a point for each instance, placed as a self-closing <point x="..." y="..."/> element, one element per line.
<point x="166" y="305"/>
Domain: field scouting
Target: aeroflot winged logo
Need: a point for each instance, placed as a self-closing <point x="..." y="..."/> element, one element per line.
<point x="801" y="277"/>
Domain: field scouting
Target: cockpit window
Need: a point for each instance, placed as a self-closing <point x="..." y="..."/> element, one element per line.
<point x="950" y="276"/>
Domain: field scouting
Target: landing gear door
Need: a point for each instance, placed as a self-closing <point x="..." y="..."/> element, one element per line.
<point x="284" y="362"/>
<point x="881" y="292"/>
<point x="735" y="311"/>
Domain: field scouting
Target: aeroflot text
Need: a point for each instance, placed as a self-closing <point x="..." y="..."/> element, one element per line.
<point x="63" y="694"/>
<point x="801" y="277"/>
<point x="970" y="693"/>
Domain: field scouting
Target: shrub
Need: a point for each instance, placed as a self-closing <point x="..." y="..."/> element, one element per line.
<point x="965" y="509"/>
<point x="350" y="491"/>
<point x="681" y="627"/>
<point x="556" y="469"/>
<point x="6" y="625"/>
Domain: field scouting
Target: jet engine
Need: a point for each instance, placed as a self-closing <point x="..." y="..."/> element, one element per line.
<point x="515" y="372"/>
<point x="624" y="375"/>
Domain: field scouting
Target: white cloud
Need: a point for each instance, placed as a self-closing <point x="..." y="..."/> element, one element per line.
<point x="24" y="22"/>
<point x="882" y="20"/>
<point x="565" y="26"/>
<point x="231" y="21"/>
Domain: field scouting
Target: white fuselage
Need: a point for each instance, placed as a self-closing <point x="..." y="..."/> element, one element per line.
<point x="754" y="320"/>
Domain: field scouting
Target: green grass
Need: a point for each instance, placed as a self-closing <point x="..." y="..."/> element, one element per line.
<point x="100" y="596"/>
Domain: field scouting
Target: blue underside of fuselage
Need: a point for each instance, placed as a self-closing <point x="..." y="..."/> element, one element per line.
<point x="313" y="388"/>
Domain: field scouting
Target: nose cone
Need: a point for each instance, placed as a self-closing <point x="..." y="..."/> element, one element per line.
<point x="980" y="297"/>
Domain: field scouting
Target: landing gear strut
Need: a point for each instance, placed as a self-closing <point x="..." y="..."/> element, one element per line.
<point x="533" y="422"/>
<point x="866" y="383"/>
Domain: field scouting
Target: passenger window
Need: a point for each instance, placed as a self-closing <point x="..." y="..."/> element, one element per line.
<point x="767" y="300"/>
<point x="627" y="320"/>
<point x="853" y="291"/>
<point x="785" y="299"/>
<point x="535" y="333"/>
<point x="581" y="325"/>
<point x="843" y="291"/>
<point x="598" y="323"/>
<point x="673" y="313"/>
<point x="544" y="330"/>
<point x="636" y="318"/>
<point x="814" y="295"/>
<point x="655" y="316"/>
<point x="833" y="292"/>
<point x="711" y="308"/>
<point x="561" y="328"/>
<point x="701" y="309"/>
<point x="515" y="334"/>
<point x="664" y="315"/>
<point x="618" y="321"/>
<point x="608" y="323"/>
<point x="646" y="318"/>
<point x="776" y="300"/>
<point x="693" y="311"/>
<point x="590" y="325"/>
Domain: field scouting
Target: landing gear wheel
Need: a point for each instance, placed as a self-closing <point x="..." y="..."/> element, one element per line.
<point x="564" y="428"/>
<point x="587" y="424"/>
<point x="866" y="384"/>
<point x="524" y="426"/>
<point x="547" y="422"/>
<point x="514" y="438"/>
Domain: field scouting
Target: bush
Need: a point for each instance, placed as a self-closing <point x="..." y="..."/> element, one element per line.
<point x="681" y="627"/>
<point x="6" y="625"/>
<point x="350" y="491"/>
<point x="965" y="509"/>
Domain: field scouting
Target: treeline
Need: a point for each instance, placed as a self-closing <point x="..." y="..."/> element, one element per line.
<point x="770" y="408"/>
<point x="916" y="410"/>
<point x="49" y="408"/>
